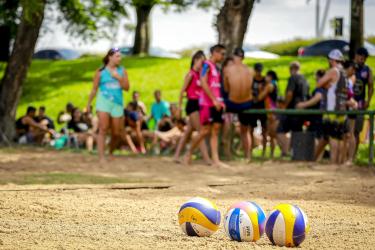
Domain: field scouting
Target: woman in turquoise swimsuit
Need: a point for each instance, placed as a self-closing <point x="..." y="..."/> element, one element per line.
<point x="111" y="80"/>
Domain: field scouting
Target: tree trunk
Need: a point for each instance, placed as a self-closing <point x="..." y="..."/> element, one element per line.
<point x="4" y="43"/>
<point x="232" y="22"/>
<point x="19" y="62"/>
<point x="142" y="31"/>
<point x="356" y="26"/>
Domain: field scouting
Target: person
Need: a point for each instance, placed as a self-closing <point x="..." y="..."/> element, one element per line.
<point x="30" y="131"/>
<point x="258" y="86"/>
<point x="81" y="130"/>
<point x="238" y="80"/>
<point x="111" y="80"/>
<point x="297" y="91"/>
<point x="193" y="90"/>
<point x="363" y="88"/>
<point x="159" y="109"/>
<point x="269" y="96"/>
<point x="336" y="84"/>
<point x="211" y="105"/>
<point x="349" y="137"/>
<point x="133" y="120"/>
<point x="139" y="105"/>
<point x="43" y="118"/>
<point x="318" y="102"/>
<point x="65" y="116"/>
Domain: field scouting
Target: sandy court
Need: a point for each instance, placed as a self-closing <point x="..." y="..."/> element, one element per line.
<point x="142" y="214"/>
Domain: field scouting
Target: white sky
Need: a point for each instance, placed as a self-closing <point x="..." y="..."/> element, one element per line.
<point x="271" y="20"/>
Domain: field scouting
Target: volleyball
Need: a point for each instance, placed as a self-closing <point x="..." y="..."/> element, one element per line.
<point x="199" y="217"/>
<point x="245" y="221"/>
<point x="287" y="225"/>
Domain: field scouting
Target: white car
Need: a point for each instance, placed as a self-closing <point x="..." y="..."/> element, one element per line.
<point x="254" y="52"/>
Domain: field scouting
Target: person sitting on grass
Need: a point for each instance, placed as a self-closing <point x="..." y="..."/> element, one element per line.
<point x="43" y="118"/>
<point x="168" y="139"/>
<point x="138" y="104"/>
<point x="81" y="131"/>
<point x="30" y="131"/>
<point x="133" y="129"/>
<point x="159" y="109"/>
<point x="65" y="116"/>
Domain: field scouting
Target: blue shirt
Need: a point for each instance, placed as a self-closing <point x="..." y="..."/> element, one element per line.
<point x="110" y="87"/>
<point x="158" y="110"/>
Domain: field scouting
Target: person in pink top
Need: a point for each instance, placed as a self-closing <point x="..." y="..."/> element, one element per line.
<point x="211" y="105"/>
<point x="192" y="89"/>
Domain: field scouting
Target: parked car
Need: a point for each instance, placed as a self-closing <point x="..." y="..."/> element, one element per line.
<point x="254" y="52"/>
<point x="322" y="48"/>
<point x="126" y="51"/>
<point x="57" y="54"/>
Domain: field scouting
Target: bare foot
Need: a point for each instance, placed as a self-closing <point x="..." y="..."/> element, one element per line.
<point x="220" y="164"/>
<point x="177" y="160"/>
<point x="102" y="162"/>
<point x="187" y="159"/>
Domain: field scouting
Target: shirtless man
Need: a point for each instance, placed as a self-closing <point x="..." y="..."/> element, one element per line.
<point x="238" y="80"/>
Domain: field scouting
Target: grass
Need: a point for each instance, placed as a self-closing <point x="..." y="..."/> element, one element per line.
<point x="54" y="83"/>
<point x="62" y="178"/>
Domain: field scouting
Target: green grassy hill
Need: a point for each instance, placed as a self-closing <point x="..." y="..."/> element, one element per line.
<point x="54" y="83"/>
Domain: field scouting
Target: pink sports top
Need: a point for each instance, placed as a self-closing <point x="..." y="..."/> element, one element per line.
<point x="214" y="83"/>
<point x="193" y="91"/>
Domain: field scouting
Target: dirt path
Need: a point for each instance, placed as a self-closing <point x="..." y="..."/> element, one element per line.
<point x="143" y="214"/>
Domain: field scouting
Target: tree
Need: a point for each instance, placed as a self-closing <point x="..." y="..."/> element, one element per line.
<point x="9" y="16"/>
<point x="232" y="22"/>
<point x="87" y="19"/>
<point x="143" y="10"/>
<point x="356" y="26"/>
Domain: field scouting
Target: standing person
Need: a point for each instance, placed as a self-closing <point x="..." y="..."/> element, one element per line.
<point x="238" y="80"/>
<point x="259" y="82"/>
<point x="337" y="96"/>
<point x="211" y="105"/>
<point x="269" y="95"/>
<point x="363" y="85"/>
<point x="318" y="102"/>
<point x="159" y="109"/>
<point x="297" y="91"/>
<point x="111" y="80"/>
<point x="193" y="90"/>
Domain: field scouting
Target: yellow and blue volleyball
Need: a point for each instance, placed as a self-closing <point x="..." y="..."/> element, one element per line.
<point x="199" y="217"/>
<point x="287" y="225"/>
<point x="245" y="221"/>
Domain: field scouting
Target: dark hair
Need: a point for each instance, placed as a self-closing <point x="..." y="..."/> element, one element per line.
<point x="216" y="47"/>
<point x="42" y="108"/>
<point x="227" y="60"/>
<point x="320" y="72"/>
<point x="157" y="91"/>
<point x="30" y="109"/>
<point x="135" y="92"/>
<point x="110" y="52"/>
<point x="273" y="75"/>
<point x="348" y="64"/>
<point x="362" y="52"/>
<point x="239" y="52"/>
<point x="258" y="67"/>
<point x="196" y="56"/>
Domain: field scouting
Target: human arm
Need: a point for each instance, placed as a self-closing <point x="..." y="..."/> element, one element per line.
<point x="311" y="102"/>
<point x="370" y="89"/>
<point x="123" y="80"/>
<point x="94" y="89"/>
<point x="187" y="81"/>
<point x="263" y="94"/>
<point x="327" y="78"/>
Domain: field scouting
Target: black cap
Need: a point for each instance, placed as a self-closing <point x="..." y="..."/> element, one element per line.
<point x="239" y="52"/>
<point x="362" y="52"/>
<point x="258" y="67"/>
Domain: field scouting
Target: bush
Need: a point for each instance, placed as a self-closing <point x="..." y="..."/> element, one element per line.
<point x="288" y="48"/>
<point x="371" y="39"/>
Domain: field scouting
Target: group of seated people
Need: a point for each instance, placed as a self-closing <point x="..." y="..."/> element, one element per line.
<point x="162" y="128"/>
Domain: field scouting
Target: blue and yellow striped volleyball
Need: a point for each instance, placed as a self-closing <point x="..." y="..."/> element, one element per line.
<point x="245" y="221"/>
<point x="199" y="217"/>
<point x="287" y="225"/>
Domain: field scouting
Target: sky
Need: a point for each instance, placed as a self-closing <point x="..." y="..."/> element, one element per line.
<point x="270" y="21"/>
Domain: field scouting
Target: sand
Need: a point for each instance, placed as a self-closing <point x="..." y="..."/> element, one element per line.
<point x="339" y="202"/>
